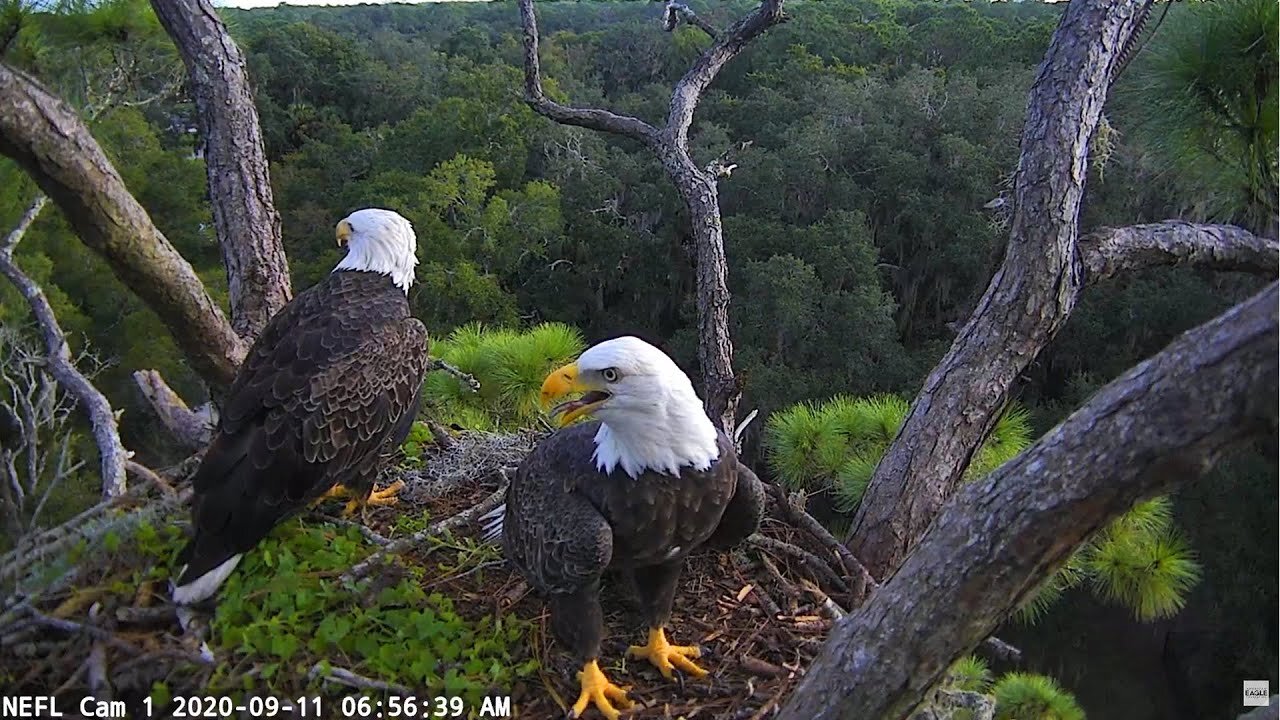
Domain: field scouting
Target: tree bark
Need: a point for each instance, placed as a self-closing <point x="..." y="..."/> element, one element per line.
<point x="44" y="136"/>
<point x="696" y="186"/>
<point x="1162" y="423"/>
<point x="244" y="212"/>
<point x="58" y="363"/>
<point x="1027" y="302"/>
<point x="1109" y="252"/>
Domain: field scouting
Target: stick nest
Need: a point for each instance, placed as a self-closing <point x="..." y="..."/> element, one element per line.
<point x="760" y="612"/>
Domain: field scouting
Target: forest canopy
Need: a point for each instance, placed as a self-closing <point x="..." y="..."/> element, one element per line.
<point x="874" y="145"/>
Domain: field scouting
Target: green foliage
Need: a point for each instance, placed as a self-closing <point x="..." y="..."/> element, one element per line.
<point x="837" y="444"/>
<point x="971" y="674"/>
<point x="284" y="610"/>
<point x="1139" y="561"/>
<point x="510" y="366"/>
<point x="1025" y="696"/>
<point x="1204" y="105"/>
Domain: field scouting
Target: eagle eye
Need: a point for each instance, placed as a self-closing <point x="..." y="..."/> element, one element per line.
<point x="610" y="374"/>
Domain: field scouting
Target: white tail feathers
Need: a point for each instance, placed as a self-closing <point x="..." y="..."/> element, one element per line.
<point x="205" y="585"/>
<point x="492" y="522"/>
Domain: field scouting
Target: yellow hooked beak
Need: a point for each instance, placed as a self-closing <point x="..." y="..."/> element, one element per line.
<point x="564" y="381"/>
<point x="343" y="232"/>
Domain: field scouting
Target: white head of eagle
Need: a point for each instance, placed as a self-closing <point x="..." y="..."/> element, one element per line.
<point x="380" y="241"/>
<point x="650" y="416"/>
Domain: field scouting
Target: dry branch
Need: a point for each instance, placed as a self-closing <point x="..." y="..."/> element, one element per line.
<point x="1164" y="422"/>
<point x="674" y="12"/>
<point x="48" y="140"/>
<point x="437" y="528"/>
<point x="1027" y="302"/>
<point x="193" y="429"/>
<point x="244" y="212"/>
<point x="696" y="186"/>
<point x="465" y="377"/>
<point x="102" y="421"/>
<point x="1109" y="252"/>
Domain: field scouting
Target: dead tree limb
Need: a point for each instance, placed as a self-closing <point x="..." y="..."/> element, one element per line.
<point x="1163" y="423"/>
<point x="192" y="428"/>
<point x="696" y="186"/>
<point x="48" y="140"/>
<point x="1109" y="252"/>
<point x="58" y="362"/>
<point x="244" y="211"/>
<point x="674" y="12"/>
<point x="1027" y="302"/>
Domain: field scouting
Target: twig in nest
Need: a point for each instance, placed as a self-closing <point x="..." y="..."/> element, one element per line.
<point x="863" y="583"/>
<point x="442" y="436"/>
<point x="467" y="378"/>
<point x="817" y="564"/>
<point x="756" y="666"/>
<point x="364" y="566"/>
<point x="74" y="627"/>
<point x="368" y="532"/>
<point x="158" y="615"/>
<point x="350" y="679"/>
<point x="833" y="609"/>
<point x="150" y="476"/>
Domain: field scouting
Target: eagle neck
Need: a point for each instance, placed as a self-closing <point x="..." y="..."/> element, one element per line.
<point x="663" y="447"/>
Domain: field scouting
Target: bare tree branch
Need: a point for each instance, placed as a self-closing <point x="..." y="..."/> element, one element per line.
<point x="1027" y="302"/>
<point x="591" y="118"/>
<point x="674" y="12"/>
<point x="696" y="186"/>
<point x="1163" y="423"/>
<point x="106" y="432"/>
<point x="690" y="88"/>
<point x="464" y="377"/>
<point x="192" y="428"/>
<point x="1111" y="251"/>
<point x="49" y="141"/>
<point x="244" y="211"/>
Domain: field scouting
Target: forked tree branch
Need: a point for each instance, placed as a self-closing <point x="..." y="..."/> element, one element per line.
<point x="696" y="186"/>
<point x="106" y="432"/>
<point x="674" y="12"/>
<point x="590" y="118"/>
<point x="192" y="428"/>
<point x="1163" y="423"/>
<point x="1109" y="252"/>
<point x="684" y="99"/>
<point x="244" y="211"/>
<point x="1027" y="301"/>
<point x="46" y="137"/>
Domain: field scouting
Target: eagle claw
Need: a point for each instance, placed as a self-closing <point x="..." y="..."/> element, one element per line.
<point x="597" y="690"/>
<point x="667" y="657"/>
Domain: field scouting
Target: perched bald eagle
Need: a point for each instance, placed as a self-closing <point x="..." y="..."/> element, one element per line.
<point x="327" y="392"/>
<point x="637" y="490"/>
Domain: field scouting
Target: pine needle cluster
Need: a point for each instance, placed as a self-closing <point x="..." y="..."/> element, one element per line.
<point x="510" y="366"/>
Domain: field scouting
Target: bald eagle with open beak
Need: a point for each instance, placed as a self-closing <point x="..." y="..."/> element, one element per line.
<point x="637" y="489"/>
<point x="324" y="398"/>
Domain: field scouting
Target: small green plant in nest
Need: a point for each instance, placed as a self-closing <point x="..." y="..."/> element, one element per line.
<point x="284" y="611"/>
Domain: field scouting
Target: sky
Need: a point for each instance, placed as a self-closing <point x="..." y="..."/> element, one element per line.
<point x="273" y="3"/>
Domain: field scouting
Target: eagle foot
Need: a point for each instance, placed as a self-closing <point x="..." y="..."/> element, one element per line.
<point x="337" y="491"/>
<point x="385" y="496"/>
<point x="599" y="691"/>
<point x="667" y="657"/>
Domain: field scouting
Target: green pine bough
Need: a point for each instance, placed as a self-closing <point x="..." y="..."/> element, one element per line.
<point x="510" y="366"/>
<point x="1140" y="561"/>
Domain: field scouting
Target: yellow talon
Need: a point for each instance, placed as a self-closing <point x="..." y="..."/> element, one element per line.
<point x="667" y="657"/>
<point x="597" y="690"/>
<point x="385" y="496"/>
<point x="337" y="491"/>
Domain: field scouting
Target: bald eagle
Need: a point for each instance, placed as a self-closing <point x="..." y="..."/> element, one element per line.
<point x="636" y="490"/>
<point x="328" y="391"/>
